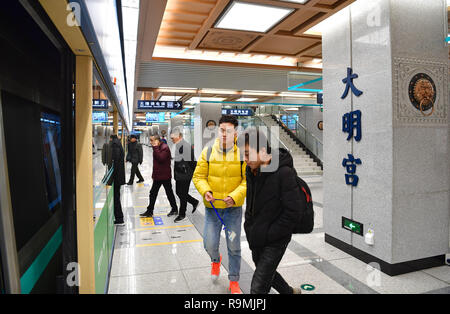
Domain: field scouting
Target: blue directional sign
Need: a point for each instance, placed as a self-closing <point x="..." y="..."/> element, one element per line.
<point x="99" y="117"/>
<point x="155" y="117"/>
<point x="100" y="103"/>
<point x="238" y="112"/>
<point x="142" y="124"/>
<point x="159" y="105"/>
<point x="320" y="98"/>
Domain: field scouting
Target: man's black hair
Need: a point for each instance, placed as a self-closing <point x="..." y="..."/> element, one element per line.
<point x="258" y="140"/>
<point x="229" y="119"/>
<point x="113" y="136"/>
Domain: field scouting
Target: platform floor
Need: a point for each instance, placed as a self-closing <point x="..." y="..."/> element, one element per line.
<point x="159" y="256"/>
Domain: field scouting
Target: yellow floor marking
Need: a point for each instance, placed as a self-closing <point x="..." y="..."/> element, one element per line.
<point x="159" y="228"/>
<point x="150" y="217"/>
<point x="147" y="221"/>
<point x="168" y="243"/>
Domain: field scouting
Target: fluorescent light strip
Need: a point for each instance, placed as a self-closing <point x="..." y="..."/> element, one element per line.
<point x="251" y="17"/>
<point x="196" y="100"/>
<point x="246" y="99"/>
<point x="218" y="91"/>
<point x="297" y="1"/>
<point x="171" y="52"/>
<point x="169" y="98"/>
<point x="262" y="103"/>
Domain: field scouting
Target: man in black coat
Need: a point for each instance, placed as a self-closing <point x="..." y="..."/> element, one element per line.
<point x="184" y="168"/>
<point x="118" y="176"/>
<point x="135" y="156"/>
<point x="274" y="204"/>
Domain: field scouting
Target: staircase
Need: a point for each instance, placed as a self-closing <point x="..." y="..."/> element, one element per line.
<point x="303" y="163"/>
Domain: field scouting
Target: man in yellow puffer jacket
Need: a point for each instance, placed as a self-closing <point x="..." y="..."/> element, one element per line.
<point x="220" y="178"/>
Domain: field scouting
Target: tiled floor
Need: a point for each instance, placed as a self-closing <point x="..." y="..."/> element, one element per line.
<point x="161" y="256"/>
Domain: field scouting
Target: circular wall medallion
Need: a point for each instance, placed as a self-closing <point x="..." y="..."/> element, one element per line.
<point x="422" y="93"/>
<point x="320" y="125"/>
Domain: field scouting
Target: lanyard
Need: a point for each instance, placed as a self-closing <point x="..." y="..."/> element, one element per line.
<point x="217" y="213"/>
<point x="231" y="234"/>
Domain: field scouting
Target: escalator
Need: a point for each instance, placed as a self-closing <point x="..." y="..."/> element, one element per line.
<point x="314" y="152"/>
<point x="303" y="162"/>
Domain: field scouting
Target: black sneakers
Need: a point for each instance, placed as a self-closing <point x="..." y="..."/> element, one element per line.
<point x="195" y="206"/>
<point x="172" y="213"/>
<point x="179" y="218"/>
<point x="140" y="181"/>
<point x="148" y="213"/>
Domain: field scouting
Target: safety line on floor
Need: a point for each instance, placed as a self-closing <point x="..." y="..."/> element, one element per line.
<point x="169" y="243"/>
<point x="160" y="228"/>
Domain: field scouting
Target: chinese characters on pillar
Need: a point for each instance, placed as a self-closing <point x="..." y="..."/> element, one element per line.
<point x="351" y="178"/>
<point x="351" y="124"/>
<point x="348" y="81"/>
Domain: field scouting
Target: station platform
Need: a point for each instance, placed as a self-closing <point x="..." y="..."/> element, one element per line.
<point x="158" y="256"/>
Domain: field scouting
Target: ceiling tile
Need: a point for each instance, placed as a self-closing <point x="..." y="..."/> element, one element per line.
<point x="227" y="40"/>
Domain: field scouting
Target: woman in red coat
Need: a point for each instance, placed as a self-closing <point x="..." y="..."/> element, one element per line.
<point x="162" y="175"/>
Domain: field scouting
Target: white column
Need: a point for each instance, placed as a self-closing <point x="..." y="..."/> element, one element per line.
<point x="403" y="189"/>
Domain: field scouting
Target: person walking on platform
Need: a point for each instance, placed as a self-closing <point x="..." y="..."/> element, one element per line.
<point x="135" y="156"/>
<point x="220" y="178"/>
<point x="118" y="176"/>
<point x="274" y="203"/>
<point x="162" y="175"/>
<point x="183" y="170"/>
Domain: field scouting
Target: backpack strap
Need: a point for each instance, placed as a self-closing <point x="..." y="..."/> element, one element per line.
<point x="208" y="154"/>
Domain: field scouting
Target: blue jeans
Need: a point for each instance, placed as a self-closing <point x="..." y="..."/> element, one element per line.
<point x="232" y="217"/>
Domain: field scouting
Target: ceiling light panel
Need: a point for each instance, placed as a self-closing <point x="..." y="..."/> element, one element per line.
<point x="170" y="98"/>
<point x="196" y="100"/>
<point x="297" y="1"/>
<point x="245" y="99"/>
<point x="251" y="17"/>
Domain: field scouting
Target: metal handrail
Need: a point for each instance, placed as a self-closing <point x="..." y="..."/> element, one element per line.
<point x="270" y="134"/>
<point x="301" y="126"/>
<point x="316" y="147"/>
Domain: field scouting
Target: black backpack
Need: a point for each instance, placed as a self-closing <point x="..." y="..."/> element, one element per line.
<point x="107" y="154"/>
<point x="306" y="222"/>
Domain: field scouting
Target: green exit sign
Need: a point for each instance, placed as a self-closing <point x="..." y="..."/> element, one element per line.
<point x="353" y="226"/>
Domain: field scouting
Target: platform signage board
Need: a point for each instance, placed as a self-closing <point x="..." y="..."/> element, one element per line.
<point x="159" y="105"/>
<point x="100" y="104"/>
<point x="238" y="112"/>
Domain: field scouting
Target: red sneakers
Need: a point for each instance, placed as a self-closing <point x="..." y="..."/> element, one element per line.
<point x="215" y="270"/>
<point x="234" y="287"/>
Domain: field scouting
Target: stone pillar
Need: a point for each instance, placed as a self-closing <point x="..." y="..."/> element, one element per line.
<point x="395" y="47"/>
<point x="204" y="112"/>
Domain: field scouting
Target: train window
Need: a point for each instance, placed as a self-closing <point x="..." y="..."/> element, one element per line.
<point x="51" y="138"/>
